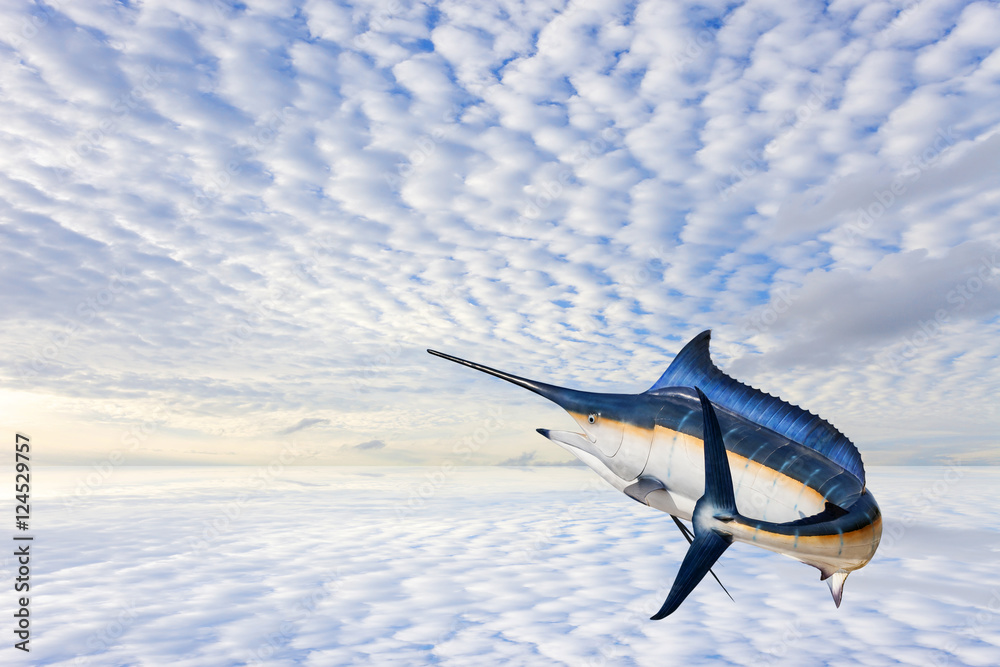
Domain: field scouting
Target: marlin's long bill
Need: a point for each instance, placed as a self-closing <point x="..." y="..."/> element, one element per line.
<point x="739" y="464"/>
<point x="549" y="391"/>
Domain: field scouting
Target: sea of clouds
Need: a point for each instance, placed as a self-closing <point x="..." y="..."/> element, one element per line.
<point x="462" y="566"/>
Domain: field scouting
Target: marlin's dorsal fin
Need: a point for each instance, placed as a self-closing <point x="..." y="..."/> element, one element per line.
<point x="693" y="366"/>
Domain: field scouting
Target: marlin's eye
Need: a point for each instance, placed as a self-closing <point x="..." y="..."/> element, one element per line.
<point x="592" y="418"/>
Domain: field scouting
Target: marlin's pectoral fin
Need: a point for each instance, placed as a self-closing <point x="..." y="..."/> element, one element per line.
<point x="704" y="551"/>
<point x="719" y="500"/>
<point x="686" y="532"/>
<point x="718" y="478"/>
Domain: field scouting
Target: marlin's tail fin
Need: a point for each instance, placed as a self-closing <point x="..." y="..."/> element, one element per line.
<point x="718" y="504"/>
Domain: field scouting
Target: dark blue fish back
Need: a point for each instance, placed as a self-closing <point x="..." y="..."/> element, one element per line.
<point x="693" y="367"/>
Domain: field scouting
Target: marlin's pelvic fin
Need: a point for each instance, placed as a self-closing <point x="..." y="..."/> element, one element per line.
<point x="717" y="505"/>
<point x="702" y="554"/>
<point x="686" y="532"/>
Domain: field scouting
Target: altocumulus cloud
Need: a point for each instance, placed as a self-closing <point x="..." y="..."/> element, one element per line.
<point x="254" y="212"/>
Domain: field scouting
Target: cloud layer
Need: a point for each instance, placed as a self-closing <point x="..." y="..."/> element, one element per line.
<point x="227" y="222"/>
<point x="535" y="566"/>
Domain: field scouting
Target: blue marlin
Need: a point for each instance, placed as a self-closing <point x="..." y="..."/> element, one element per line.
<point x="739" y="464"/>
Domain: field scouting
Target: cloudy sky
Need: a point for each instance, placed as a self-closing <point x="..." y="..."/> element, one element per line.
<point x="231" y="227"/>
